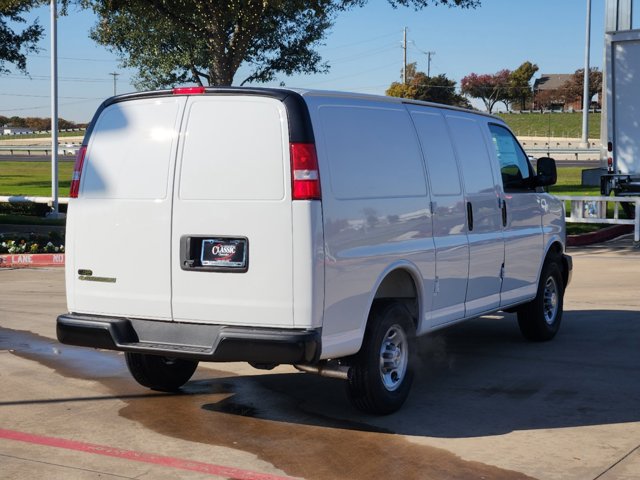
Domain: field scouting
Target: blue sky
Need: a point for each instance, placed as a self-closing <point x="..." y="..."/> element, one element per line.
<point x="363" y="49"/>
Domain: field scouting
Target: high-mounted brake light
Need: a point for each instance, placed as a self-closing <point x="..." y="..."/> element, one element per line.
<point x="305" y="178"/>
<point x="188" y="90"/>
<point x="77" y="172"/>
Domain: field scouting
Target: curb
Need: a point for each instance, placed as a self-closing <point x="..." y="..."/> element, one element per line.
<point x="32" y="260"/>
<point x="599" y="236"/>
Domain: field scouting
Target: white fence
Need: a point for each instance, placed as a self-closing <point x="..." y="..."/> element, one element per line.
<point x="22" y="199"/>
<point x="588" y="209"/>
<point x="62" y="149"/>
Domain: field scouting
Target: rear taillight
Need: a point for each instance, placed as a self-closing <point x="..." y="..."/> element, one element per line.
<point x="77" y="172"/>
<point x="188" y="90"/>
<point x="610" y="157"/>
<point x="305" y="178"/>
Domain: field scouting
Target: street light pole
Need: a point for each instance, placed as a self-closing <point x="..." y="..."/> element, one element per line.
<point x="54" y="109"/>
<point x="586" y="99"/>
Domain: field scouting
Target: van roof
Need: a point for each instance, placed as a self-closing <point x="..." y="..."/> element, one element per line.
<point x="301" y="131"/>
<point x="281" y="92"/>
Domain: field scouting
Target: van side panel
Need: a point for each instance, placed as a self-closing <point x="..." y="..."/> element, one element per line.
<point x="375" y="210"/>
<point x="233" y="181"/>
<point x="119" y="227"/>
<point x="449" y="215"/>
<point x="486" y="245"/>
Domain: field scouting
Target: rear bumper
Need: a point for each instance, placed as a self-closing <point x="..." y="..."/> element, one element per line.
<point x="216" y="343"/>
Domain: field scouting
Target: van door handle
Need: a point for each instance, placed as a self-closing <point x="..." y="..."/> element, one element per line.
<point x="470" y="216"/>
<point x="504" y="213"/>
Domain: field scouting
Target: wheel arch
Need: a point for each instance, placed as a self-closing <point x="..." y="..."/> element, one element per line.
<point x="555" y="248"/>
<point x="400" y="281"/>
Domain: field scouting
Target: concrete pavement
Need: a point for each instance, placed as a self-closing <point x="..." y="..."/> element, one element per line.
<point x="485" y="404"/>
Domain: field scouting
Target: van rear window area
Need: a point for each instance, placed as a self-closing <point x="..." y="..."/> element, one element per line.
<point x="130" y="150"/>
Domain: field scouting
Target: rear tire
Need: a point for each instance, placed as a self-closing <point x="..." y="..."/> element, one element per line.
<point x="539" y="320"/>
<point x="382" y="371"/>
<point x="160" y="373"/>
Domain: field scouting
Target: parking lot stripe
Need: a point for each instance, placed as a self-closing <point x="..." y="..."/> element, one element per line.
<point x="182" y="464"/>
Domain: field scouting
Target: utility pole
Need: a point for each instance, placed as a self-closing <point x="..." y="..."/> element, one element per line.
<point x="429" y="55"/>
<point x="404" y="56"/>
<point x="114" y="74"/>
<point x="54" y="110"/>
<point x="586" y="99"/>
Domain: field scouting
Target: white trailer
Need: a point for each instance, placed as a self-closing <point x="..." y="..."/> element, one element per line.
<point x="623" y="111"/>
<point x="621" y="129"/>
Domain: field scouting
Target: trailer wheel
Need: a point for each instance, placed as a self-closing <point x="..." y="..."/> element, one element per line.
<point x="160" y="373"/>
<point x="539" y="320"/>
<point x="629" y="210"/>
<point x="382" y="371"/>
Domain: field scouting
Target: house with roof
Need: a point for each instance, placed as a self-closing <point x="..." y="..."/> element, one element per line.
<point x="549" y="94"/>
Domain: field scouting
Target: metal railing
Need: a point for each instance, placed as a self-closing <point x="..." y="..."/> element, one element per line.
<point x="62" y="149"/>
<point x="562" y="151"/>
<point x="23" y="199"/>
<point x="586" y="209"/>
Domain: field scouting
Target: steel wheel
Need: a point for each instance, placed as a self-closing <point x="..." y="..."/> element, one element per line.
<point x="539" y="320"/>
<point x="394" y="358"/>
<point x="382" y="371"/>
<point x="550" y="302"/>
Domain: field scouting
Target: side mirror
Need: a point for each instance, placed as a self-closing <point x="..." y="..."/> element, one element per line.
<point x="547" y="173"/>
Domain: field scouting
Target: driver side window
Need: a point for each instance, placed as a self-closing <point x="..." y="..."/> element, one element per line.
<point x="514" y="164"/>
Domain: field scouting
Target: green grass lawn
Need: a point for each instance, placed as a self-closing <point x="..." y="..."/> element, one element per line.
<point x="551" y="124"/>
<point x="33" y="178"/>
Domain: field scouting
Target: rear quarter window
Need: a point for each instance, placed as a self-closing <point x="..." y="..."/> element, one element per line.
<point x="372" y="152"/>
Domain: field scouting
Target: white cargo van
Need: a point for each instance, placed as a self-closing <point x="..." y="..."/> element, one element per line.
<point x="323" y="230"/>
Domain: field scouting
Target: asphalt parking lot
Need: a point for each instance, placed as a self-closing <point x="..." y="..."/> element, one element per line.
<point x="485" y="404"/>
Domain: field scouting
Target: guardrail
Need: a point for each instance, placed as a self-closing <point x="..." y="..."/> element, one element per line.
<point x="588" y="209"/>
<point x="562" y="151"/>
<point x="23" y="199"/>
<point x="62" y="149"/>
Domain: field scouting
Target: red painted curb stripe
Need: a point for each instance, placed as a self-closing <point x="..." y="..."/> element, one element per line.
<point x="171" y="462"/>
<point x="32" y="260"/>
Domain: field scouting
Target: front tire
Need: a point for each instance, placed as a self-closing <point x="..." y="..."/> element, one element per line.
<point x="539" y="320"/>
<point x="160" y="373"/>
<point x="382" y="371"/>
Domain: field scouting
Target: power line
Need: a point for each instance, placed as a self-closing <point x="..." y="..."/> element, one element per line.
<point x="352" y="75"/>
<point x="43" y="96"/>
<point x="75" y="58"/>
<point x="395" y="32"/>
<point x="47" y="106"/>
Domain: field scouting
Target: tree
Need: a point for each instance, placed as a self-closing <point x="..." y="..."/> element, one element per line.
<point x="490" y="88"/>
<point x="520" y="83"/>
<point x="14" y="45"/>
<point x="419" y="86"/>
<point x="206" y="41"/>
<point x="574" y="88"/>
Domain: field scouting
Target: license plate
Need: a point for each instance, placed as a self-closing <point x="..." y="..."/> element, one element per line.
<point x="224" y="252"/>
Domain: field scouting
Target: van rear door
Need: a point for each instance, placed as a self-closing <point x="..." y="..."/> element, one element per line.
<point x="118" y="229"/>
<point x="232" y="231"/>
